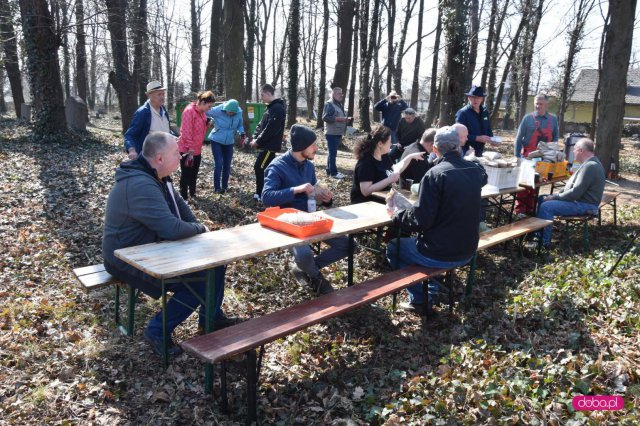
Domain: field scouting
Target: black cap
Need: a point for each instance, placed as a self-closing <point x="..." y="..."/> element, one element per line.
<point x="301" y="137"/>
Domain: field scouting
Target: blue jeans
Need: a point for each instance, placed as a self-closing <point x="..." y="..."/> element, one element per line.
<point x="549" y="209"/>
<point x="409" y="255"/>
<point x="177" y="312"/>
<point x="222" y="155"/>
<point x="333" y="141"/>
<point x="311" y="265"/>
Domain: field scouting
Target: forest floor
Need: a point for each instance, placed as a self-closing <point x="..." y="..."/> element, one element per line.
<point x="535" y="333"/>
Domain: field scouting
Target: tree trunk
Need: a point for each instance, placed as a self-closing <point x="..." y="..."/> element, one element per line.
<point x="397" y="70"/>
<point x="81" y="53"/>
<point x="250" y="23"/>
<point x="294" y="50"/>
<point x="10" y="47"/>
<point x="527" y="59"/>
<point x="391" y="25"/>
<point x="514" y="48"/>
<point x="582" y="10"/>
<point x="455" y="12"/>
<point x="493" y="68"/>
<point x="474" y="18"/>
<point x="41" y="46"/>
<point x="377" y="76"/>
<point x="354" y="69"/>
<point x="140" y="76"/>
<point x="196" y="48"/>
<point x="489" y="52"/>
<point x="434" y="104"/>
<point x="322" y="86"/>
<point x="233" y="53"/>
<point x="346" y="13"/>
<point x="214" y="43"/>
<point x="415" y="85"/>
<point x="3" y="77"/>
<point x="615" y="61"/>
<point x="367" y="51"/>
<point x="121" y="78"/>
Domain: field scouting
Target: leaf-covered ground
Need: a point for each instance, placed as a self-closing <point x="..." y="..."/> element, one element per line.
<point x="533" y="335"/>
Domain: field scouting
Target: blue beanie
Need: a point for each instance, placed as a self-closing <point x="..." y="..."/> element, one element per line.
<point x="301" y="137"/>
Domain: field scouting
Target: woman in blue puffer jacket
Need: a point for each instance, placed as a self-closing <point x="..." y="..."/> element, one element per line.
<point x="227" y="119"/>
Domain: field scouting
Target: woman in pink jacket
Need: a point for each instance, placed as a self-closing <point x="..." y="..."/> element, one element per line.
<point x="192" y="131"/>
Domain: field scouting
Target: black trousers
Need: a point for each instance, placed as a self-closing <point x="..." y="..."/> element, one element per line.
<point x="264" y="159"/>
<point x="189" y="176"/>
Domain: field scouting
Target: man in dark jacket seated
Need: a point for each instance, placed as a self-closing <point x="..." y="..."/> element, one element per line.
<point x="417" y="169"/>
<point x="144" y="208"/>
<point x="446" y="216"/>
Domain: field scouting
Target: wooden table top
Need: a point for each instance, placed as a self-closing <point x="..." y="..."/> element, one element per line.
<point x="487" y="192"/>
<point x="548" y="182"/>
<point x="170" y="259"/>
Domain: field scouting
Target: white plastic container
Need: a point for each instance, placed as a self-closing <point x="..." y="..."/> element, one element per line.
<point x="503" y="177"/>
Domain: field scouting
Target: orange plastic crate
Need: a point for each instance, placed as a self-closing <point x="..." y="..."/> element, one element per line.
<point x="558" y="169"/>
<point x="269" y="219"/>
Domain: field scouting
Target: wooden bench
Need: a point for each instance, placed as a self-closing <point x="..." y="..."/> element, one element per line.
<point x="501" y="235"/>
<point x="95" y="277"/>
<point x="609" y="199"/>
<point x="245" y="337"/>
<point x="581" y="222"/>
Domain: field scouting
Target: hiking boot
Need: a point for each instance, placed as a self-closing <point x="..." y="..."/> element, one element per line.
<point x="321" y="285"/>
<point x="300" y="276"/>
<point x="156" y="344"/>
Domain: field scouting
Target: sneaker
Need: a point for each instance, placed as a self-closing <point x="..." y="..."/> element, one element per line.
<point x="416" y="308"/>
<point x="321" y="285"/>
<point x="156" y="344"/>
<point x="256" y="197"/>
<point x="300" y="276"/>
<point x="338" y="176"/>
<point x="483" y="227"/>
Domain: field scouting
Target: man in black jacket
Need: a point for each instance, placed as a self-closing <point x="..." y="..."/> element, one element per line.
<point x="417" y="169"/>
<point x="446" y="215"/>
<point x="268" y="135"/>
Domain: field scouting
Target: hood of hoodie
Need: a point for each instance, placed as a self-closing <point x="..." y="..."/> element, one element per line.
<point x="275" y="102"/>
<point x="139" y="166"/>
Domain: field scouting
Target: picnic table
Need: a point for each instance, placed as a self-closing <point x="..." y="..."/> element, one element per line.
<point x="169" y="260"/>
<point x="555" y="182"/>
<point x="503" y="200"/>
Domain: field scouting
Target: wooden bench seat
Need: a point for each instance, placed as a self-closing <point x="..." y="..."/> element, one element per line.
<point x="95" y="277"/>
<point x="243" y="338"/>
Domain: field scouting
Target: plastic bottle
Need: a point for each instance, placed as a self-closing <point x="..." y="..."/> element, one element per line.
<point x="311" y="202"/>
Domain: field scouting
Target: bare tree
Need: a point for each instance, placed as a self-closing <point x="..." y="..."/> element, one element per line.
<point x="354" y="68"/>
<point x="366" y="55"/>
<point x="120" y="78"/>
<point x="581" y="11"/>
<point x="415" y="84"/>
<point x="196" y="45"/>
<point x="10" y="47"/>
<point x="391" y="25"/>
<point x="294" y="51"/>
<point x="214" y="44"/>
<point x="249" y="54"/>
<point x="261" y="36"/>
<point x="432" y="110"/>
<point x="310" y="35"/>
<point x="397" y="70"/>
<point x="322" y="86"/>
<point x="345" y="16"/>
<point x="490" y="70"/>
<point x="81" y="53"/>
<point x="3" y="78"/>
<point x="233" y="50"/>
<point x="613" y="80"/>
<point x="41" y="46"/>
<point x="474" y="19"/>
<point x="455" y="29"/>
<point x="535" y="13"/>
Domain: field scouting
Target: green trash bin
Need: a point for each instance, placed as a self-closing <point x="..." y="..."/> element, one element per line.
<point x="180" y="106"/>
<point x="255" y="111"/>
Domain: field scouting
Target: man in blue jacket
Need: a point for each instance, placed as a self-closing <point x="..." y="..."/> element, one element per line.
<point x="143" y="207"/>
<point x="391" y="108"/>
<point x="446" y="216"/>
<point x="152" y="116"/>
<point x="267" y="137"/>
<point x="290" y="182"/>
<point x="476" y="117"/>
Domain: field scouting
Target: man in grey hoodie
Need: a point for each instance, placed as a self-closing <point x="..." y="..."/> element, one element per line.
<point x="144" y="208"/>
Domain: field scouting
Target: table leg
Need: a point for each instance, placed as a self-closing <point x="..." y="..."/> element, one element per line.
<point x="165" y="338"/>
<point x="350" y="261"/>
<point x="208" y="325"/>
